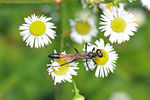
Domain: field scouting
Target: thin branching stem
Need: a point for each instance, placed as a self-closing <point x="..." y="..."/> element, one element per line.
<point x="61" y="27"/>
<point x="26" y="2"/>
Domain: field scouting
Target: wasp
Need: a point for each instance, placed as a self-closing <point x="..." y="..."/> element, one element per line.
<point x="73" y="57"/>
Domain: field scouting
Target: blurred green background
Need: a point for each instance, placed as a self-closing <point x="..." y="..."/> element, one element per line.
<point x="23" y="70"/>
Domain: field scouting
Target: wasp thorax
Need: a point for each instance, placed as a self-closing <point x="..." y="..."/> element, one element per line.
<point x="91" y="55"/>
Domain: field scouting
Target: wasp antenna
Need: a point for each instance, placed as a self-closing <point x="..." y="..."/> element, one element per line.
<point x="93" y="49"/>
<point x="68" y="44"/>
<point x="68" y="62"/>
<point x="71" y="46"/>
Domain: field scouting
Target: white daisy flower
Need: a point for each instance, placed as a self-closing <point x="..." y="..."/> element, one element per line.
<point x="120" y="96"/>
<point x="139" y="15"/>
<point x="62" y="73"/>
<point x="108" y="6"/>
<point x="85" y="14"/>
<point x="85" y="3"/>
<point x="131" y="1"/>
<point x="37" y="31"/>
<point x="119" y="24"/>
<point x="91" y="3"/>
<point x="105" y="64"/>
<point x="83" y="28"/>
<point x="146" y="3"/>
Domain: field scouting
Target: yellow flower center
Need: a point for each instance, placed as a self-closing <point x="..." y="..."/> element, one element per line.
<point x="118" y="25"/>
<point x="63" y="69"/>
<point x="102" y="60"/>
<point x="109" y="5"/>
<point x="37" y="28"/>
<point x="82" y="28"/>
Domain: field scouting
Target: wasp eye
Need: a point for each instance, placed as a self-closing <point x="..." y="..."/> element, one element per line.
<point x="99" y="53"/>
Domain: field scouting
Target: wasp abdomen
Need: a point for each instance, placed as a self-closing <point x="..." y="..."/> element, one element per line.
<point x="54" y="56"/>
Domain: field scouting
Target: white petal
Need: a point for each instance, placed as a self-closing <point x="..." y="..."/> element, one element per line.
<point x="97" y="71"/>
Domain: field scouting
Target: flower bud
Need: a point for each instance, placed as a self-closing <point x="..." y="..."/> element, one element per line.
<point x="78" y="97"/>
<point x="116" y="2"/>
<point x="58" y="2"/>
<point x="91" y="1"/>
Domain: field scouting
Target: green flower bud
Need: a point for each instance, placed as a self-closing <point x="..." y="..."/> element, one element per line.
<point x="78" y="97"/>
<point x="92" y="1"/>
<point x="116" y="2"/>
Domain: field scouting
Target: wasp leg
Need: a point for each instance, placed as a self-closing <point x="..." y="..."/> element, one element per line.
<point x="88" y="65"/>
<point x="71" y="47"/>
<point x="94" y="62"/>
<point x="86" y="44"/>
<point x="66" y="63"/>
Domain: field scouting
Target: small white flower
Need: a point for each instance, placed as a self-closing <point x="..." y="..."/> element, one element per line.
<point x="106" y="63"/>
<point x="146" y="3"/>
<point x="62" y="73"/>
<point x="84" y="4"/>
<point x="119" y="24"/>
<point x="83" y="28"/>
<point x="108" y="6"/>
<point x="120" y="96"/>
<point x="131" y="0"/>
<point x="37" y="31"/>
<point x="85" y="14"/>
<point x="139" y="15"/>
<point x="91" y="3"/>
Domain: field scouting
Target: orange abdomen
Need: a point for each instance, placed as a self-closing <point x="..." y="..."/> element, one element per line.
<point x="62" y="56"/>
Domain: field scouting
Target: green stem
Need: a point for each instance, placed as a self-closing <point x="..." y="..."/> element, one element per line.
<point x="61" y="27"/>
<point x="108" y="1"/>
<point x="26" y="2"/>
<point x="76" y="90"/>
<point x="111" y="1"/>
<point x="59" y="90"/>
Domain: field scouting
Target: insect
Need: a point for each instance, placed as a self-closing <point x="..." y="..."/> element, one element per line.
<point x="77" y="56"/>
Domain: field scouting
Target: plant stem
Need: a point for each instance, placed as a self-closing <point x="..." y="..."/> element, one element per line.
<point x="26" y="2"/>
<point x="76" y="90"/>
<point x="59" y="90"/>
<point x="61" y="27"/>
